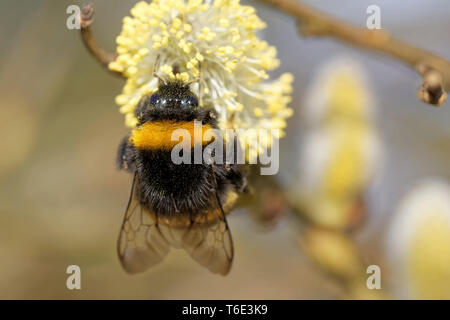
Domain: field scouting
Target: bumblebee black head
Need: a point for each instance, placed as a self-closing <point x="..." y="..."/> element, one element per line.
<point x="171" y="100"/>
<point x="173" y="95"/>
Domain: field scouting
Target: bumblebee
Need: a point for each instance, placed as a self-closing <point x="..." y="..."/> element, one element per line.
<point x="175" y="205"/>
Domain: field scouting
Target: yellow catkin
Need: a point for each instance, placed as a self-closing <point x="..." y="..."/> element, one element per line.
<point x="207" y="40"/>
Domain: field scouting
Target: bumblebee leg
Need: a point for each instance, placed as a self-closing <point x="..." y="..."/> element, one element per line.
<point x="238" y="177"/>
<point x="207" y="116"/>
<point x="141" y="107"/>
<point x="125" y="155"/>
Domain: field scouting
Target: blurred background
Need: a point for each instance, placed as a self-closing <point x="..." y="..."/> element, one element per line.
<point x="364" y="175"/>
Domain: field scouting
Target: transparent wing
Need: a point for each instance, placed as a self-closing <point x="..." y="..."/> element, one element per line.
<point x="208" y="239"/>
<point x="141" y="244"/>
<point x="145" y="237"/>
<point x="204" y="235"/>
<point x="209" y="242"/>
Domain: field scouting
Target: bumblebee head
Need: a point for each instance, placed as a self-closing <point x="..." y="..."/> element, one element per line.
<point x="173" y="96"/>
<point x="171" y="100"/>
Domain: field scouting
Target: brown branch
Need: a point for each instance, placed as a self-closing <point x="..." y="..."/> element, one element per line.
<point x="103" y="57"/>
<point x="434" y="69"/>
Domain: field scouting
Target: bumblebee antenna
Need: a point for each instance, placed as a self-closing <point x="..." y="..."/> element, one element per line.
<point x="161" y="79"/>
<point x="191" y="82"/>
<point x="199" y="81"/>
<point x="200" y="92"/>
<point x="155" y="71"/>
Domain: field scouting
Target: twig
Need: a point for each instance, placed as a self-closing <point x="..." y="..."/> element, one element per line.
<point x="434" y="69"/>
<point x="103" y="57"/>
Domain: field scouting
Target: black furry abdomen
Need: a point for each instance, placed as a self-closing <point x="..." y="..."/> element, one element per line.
<point x="168" y="188"/>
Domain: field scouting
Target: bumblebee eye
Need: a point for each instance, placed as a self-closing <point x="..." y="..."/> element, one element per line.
<point x="154" y="99"/>
<point x="189" y="102"/>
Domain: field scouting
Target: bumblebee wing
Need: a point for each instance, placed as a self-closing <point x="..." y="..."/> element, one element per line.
<point x="141" y="244"/>
<point x="208" y="240"/>
<point x="204" y="235"/>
